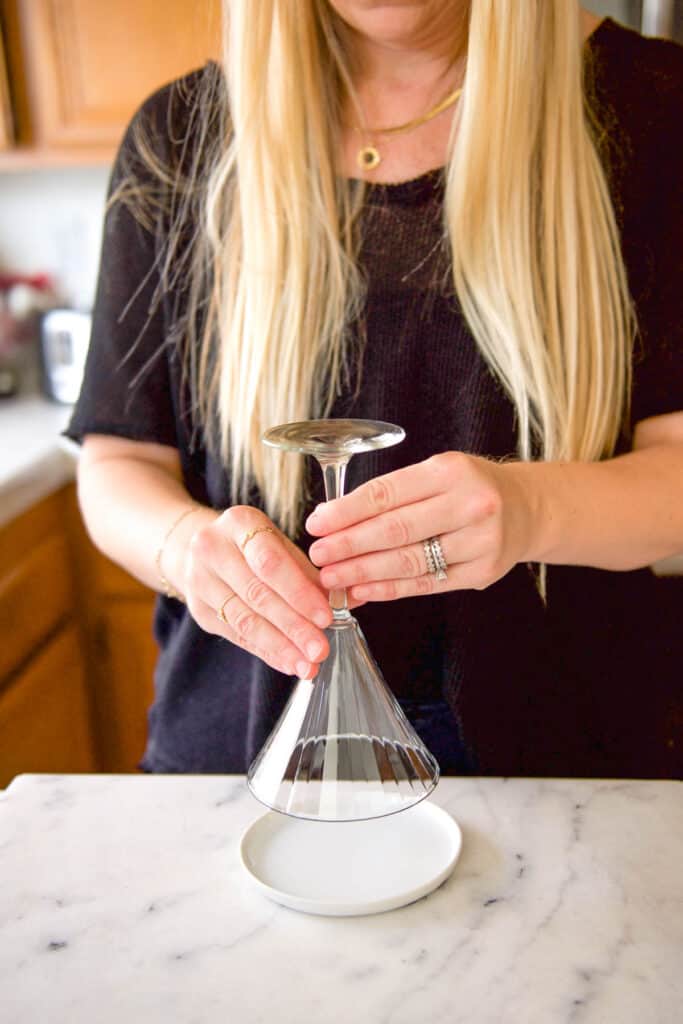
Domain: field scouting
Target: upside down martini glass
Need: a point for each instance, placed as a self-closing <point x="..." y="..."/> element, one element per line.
<point x="343" y="749"/>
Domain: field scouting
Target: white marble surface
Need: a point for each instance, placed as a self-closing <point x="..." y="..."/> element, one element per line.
<point x="122" y="899"/>
<point x="34" y="460"/>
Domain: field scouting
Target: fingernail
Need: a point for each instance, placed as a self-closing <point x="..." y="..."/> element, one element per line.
<point x="302" y="669"/>
<point x="360" y="593"/>
<point x="329" y="580"/>
<point x="321" y="619"/>
<point x="319" y="551"/>
<point x="314" y="650"/>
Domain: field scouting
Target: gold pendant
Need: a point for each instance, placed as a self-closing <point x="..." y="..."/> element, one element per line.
<point x="368" y="158"/>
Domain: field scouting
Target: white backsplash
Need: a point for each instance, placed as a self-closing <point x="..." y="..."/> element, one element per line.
<point x="52" y="221"/>
<point x="628" y="12"/>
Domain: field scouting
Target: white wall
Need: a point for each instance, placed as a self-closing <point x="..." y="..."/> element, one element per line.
<point x="52" y="221"/>
<point x="628" y="12"/>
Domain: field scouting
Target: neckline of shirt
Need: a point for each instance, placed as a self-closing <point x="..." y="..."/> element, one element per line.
<point x="432" y="181"/>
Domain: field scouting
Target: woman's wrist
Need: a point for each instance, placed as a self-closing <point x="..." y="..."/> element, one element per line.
<point x="539" y="520"/>
<point x="617" y="514"/>
<point x="172" y="553"/>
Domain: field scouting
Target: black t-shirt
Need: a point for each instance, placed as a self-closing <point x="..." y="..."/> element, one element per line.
<point x="590" y="684"/>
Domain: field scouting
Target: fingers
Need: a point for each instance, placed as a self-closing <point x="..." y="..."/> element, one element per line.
<point x="408" y="562"/>
<point x="371" y="540"/>
<point x="270" y="558"/>
<point x="475" y="575"/>
<point x="405" y="486"/>
<point x="397" y="529"/>
<point x="243" y="626"/>
<point x="360" y="576"/>
<point x="277" y="604"/>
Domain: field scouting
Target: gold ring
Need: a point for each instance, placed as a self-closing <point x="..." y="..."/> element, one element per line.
<point x="220" y="614"/>
<point x="252" y="533"/>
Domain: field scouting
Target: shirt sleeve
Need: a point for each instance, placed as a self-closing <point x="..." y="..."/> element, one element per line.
<point x="127" y="388"/>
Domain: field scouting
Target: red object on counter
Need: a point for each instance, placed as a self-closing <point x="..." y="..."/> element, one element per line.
<point x="41" y="282"/>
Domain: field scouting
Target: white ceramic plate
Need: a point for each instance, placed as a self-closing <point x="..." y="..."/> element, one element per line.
<point x="351" y="867"/>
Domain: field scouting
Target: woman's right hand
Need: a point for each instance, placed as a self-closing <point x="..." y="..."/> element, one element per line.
<point x="269" y="592"/>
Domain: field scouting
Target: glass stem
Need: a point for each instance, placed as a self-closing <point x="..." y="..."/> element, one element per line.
<point x="334" y="472"/>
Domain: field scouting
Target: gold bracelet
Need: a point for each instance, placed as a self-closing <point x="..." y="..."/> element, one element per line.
<point x="168" y="589"/>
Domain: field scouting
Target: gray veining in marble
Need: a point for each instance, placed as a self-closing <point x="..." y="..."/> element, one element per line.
<point x="122" y="899"/>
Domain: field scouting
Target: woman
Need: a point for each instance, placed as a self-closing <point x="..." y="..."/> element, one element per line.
<point x="445" y="216"/>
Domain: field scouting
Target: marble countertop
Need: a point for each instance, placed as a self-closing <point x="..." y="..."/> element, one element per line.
<point x="123" y="899"/>
<point x="34" y="459"/>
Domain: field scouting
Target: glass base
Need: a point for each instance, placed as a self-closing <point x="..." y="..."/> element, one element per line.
<point x="338" y="439"/>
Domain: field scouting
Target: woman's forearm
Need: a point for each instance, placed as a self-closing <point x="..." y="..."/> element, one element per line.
<point x="622" y="513"/>
<point x="129" y="503"/>
<point x="242" y="579"/>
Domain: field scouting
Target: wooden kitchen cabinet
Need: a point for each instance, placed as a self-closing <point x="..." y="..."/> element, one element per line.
<point x="80" y="68"/>
<point x="125" y="685"/>
<point x="123" y="654"/>
<point x="77" y="652"/>
<point x="116" y="614"/>
<point x="45" y="710"/>
<point x="45" y="723"/>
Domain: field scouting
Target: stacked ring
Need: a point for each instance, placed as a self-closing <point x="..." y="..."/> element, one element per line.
<point x="439" y="560"/>
<point x="429" y="557"/>
<point x="434" y="557"/>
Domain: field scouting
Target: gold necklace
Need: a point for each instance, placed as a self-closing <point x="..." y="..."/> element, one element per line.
<point x="368" y="156"/>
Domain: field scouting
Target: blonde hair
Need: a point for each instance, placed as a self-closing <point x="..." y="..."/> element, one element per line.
<point x="537" y="266"/>
<point x="280" y="223"/>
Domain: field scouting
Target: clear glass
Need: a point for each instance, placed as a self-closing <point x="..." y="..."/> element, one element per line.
<point x="342" y="750"/>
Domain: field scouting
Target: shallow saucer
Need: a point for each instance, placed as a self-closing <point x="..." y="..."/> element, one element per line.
<point x="348" y="868"/>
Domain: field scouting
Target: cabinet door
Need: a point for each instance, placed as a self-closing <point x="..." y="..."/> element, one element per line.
<point x="88" y="64"/>
<point x="36" y="596"/>
<point x="126" y="654"/>
<point x="45" y="714"/>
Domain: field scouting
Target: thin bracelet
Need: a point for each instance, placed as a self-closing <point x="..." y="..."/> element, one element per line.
<point x="168" y="589"/>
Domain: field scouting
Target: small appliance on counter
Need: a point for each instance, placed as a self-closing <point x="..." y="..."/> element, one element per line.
<point x="24" y="298"/>
<point x="64" y="339"/>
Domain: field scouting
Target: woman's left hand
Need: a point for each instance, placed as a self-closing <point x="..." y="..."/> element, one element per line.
<point x="483" y="513"/>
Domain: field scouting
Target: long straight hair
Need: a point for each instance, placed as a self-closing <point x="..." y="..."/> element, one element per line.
<point x="537" y="266"/>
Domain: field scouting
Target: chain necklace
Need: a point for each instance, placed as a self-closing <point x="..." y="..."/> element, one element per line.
<point x="368" y="156"/>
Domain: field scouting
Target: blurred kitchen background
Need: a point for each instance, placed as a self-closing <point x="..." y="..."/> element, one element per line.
<point x="76" y="652"/>
<point x="76" y="647"/>
<point x="75" y="71"/>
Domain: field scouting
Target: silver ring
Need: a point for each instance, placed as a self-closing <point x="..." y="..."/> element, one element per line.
<point x="429" y="557"/>
<point x="436" y="562"/>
